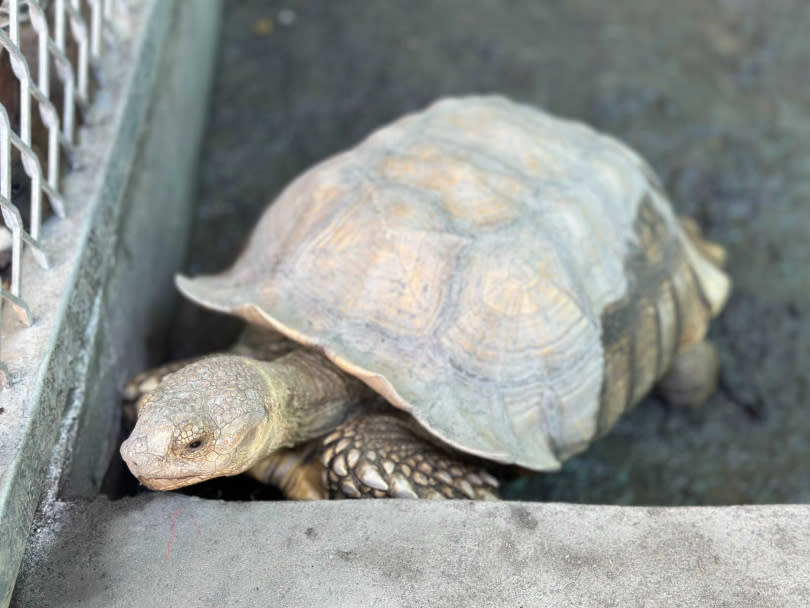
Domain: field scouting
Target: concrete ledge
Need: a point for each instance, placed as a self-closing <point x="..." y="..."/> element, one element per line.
<point x="136" y="174"/>
<point x="142" y="551"/>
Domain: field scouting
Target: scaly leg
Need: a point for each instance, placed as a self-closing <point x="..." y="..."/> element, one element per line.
<point x="297" y="472"/>
<point x="387" y="455"/>
<point x="692" y="378"/>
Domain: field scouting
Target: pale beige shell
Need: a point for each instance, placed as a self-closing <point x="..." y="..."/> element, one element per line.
<point x="513" y="280"/>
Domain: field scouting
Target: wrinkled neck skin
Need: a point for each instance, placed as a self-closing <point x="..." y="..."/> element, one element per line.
<point x="311" y="395"/>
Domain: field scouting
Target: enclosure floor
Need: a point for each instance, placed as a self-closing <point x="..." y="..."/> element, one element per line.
<point x="714" y="94"/>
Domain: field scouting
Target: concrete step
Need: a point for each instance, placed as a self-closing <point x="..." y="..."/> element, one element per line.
<point x="174" y="550"/>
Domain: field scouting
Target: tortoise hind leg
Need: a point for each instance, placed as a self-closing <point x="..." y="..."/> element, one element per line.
<point x="386" y="455"/>
<point x="692" y="377"/>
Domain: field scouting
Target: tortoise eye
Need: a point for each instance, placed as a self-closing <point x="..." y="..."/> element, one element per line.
<point x="192" y="439"/>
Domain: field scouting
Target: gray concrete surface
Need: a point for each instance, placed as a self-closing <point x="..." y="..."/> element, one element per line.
<point x="170" y="550"/>
<point x="106" y="283"/>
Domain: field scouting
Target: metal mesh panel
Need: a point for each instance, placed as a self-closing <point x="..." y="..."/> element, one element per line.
<point x="61" y="42"/>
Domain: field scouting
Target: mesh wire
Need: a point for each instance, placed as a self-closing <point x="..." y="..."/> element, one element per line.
<point x="49" y="50"/>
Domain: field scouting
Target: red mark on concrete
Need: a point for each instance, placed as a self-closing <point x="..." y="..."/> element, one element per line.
<point x="173" y="532"/>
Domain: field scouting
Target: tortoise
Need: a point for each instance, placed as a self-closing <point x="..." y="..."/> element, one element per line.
<point x="475" y="286"/>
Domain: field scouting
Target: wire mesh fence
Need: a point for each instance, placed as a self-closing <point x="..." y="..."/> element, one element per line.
<point x="49" y="53"/>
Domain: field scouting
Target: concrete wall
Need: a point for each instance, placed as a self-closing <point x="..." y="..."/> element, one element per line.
<point x="112" y="261"/>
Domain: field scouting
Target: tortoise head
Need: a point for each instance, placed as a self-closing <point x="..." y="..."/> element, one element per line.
<point x="212" y="418"/>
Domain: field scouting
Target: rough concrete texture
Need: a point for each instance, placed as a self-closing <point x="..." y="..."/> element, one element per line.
<point x="185" y="551"/>
<point x="47" y="377"/>
<point x="710" y="92"/>
<point x="104" y="286"/>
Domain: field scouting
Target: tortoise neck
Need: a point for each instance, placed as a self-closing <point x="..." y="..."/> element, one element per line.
<point x="311" y="395"/>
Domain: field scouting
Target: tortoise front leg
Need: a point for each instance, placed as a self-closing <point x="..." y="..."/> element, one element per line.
<point x="297" y="472"/>
<point x="386" y="455"/>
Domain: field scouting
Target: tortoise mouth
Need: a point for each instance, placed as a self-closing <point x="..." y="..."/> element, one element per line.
<point x="170" y="483"/>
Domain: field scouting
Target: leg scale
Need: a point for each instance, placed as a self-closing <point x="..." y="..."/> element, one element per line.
<point x="388" y="455"/>
<point x="692" y="378"/>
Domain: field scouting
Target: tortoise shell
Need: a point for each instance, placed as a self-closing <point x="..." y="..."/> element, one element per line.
<point x="513" y="280"/>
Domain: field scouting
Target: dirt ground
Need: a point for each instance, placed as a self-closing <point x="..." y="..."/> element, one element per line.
<point x="714" y="93"/>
